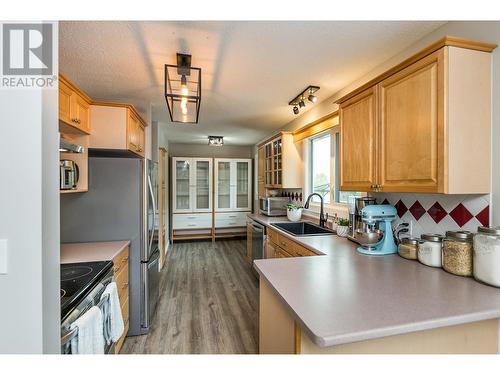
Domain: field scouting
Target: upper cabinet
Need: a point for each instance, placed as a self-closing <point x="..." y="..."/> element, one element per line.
<point x="74" y="106"/>
<point x="261" y="171"/>
<point x="423" y="126"/>
<point x="117" y="127"/>
<point x="233" y="185"/>
<point x="192" y="185"/>
<point x="282" y="162"/>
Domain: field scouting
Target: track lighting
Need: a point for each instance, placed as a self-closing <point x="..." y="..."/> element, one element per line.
<point x="299" y="101"/>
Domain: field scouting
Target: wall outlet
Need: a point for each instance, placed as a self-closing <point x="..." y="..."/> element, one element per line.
<point x="3" y="257"/>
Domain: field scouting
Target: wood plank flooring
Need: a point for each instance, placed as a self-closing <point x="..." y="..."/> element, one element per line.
<point x="208" y="303"/>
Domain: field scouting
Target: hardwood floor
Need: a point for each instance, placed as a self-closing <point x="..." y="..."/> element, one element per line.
<point x="208" y="303"/>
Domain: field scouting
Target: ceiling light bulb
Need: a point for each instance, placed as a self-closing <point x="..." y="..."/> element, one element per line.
<point x="302" y="104"/>
<point x="184" y="88"/>
<point x="312" y="98"/>
<point x="296" y="110"/>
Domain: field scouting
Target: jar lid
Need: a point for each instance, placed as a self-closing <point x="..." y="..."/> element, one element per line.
<point x="410" y="240"/>
<point x="462" y="235"/>
<point x="432" y="237"/>
<point x="489" y="230"/>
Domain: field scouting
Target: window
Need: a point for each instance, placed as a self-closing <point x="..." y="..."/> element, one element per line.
<point x="323" y="169"/>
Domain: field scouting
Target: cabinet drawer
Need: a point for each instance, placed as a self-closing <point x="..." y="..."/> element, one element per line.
<point x="192" y="221"/>
<point x="273" y="236"/>
<point x="281" y="253"/>
<point x="120" y="261"/>
<point x="230" y="219"/>
<point x="125" y="311"/>
<point x="286" y="244"/>
<point x="302" y="251"/>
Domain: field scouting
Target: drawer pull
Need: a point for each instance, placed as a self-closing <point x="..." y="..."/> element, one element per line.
<point x="124" y="260"/>
<point x="125" y="286"/>
<point x="191" y="225"/>
<point x="232" y="223"/>
<point x="232" y="215"/>
<point x="191" y="217"/>
<point x="116" y="269"/>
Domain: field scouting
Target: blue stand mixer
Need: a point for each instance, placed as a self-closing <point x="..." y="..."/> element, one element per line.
<point x="376" y="238"/>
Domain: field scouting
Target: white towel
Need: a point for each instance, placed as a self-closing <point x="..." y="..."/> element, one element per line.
<point x="90" y="338"/>
<point x="113" y="321"/>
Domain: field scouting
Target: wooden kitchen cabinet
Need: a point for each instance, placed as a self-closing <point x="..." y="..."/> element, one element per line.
<point x="121" y="273"/>
<point x="358" y="118"/>
<point x="282" y="162"/>
<point x="261" y="172"/>
<point x="424" y="126"/>
<point x="74" y="106"/>
<point x="280" y="246"/>
<point x="117" y="127"/>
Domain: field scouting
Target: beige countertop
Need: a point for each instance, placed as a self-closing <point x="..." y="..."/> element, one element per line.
<point x="345" y="296"/>
<point x="91" y="251"/>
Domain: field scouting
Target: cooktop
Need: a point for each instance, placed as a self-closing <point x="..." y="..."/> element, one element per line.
<point x="77" y="279"/>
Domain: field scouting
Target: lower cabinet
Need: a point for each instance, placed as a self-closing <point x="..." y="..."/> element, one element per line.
<point x="192" y="226"/>
<point x="279" y="246"/>
<point x="120" y="270"/>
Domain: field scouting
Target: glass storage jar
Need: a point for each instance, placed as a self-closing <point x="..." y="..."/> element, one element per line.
<point x="457" y="253"/>
<point x="486" y="259"/>
<point x="429" y="249"/>
<point x="408" y="248"/>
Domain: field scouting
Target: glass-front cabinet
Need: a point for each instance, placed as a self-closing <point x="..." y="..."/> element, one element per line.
<point x="192" y="185"/>
<point x="233" y="184"/>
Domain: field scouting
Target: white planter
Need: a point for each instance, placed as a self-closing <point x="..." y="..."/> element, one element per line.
<point x="342" y="231"/>
<point x="294" y="215"/>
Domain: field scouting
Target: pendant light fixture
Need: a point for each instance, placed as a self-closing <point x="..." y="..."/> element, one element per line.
<point x="215" y="140"/>
<point x="183" y="90"/>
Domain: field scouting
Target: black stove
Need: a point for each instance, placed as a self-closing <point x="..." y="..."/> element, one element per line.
<point x="77" y="279"/>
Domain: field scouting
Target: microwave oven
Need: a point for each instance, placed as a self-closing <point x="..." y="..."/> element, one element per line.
<point x="273" y="206"/>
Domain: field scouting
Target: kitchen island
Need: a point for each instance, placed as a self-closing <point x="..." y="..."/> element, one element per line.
<point x="345" y="302"/>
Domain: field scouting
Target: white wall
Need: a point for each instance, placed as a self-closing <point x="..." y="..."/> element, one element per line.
<point x="29" y="220"/>
<point x="477" y="30"/>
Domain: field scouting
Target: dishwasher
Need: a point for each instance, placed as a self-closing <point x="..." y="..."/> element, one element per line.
<point x="258" y="241"/>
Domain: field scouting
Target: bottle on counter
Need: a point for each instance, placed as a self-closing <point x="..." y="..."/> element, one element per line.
<point x="457" y="252"/>
<point x="430" y="249"/>
<point x="486" y="255"/>
<point x="408" y="248"/>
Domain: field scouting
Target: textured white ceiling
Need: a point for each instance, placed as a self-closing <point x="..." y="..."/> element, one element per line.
<point x="250" y="70"/>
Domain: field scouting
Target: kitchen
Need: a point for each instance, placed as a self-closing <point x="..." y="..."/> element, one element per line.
<point x="347" y="215"/>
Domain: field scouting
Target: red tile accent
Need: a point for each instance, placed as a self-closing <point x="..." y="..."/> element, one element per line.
<point x="417" y="210"/>
<point x="484" y="216"/>
<point x="461" y="215"/>
<point x="385" y="201"/>
<point x="401" y="208"/>
<point x="437" y="212"/>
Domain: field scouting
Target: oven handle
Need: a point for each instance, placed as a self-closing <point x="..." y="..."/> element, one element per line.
<point x="69" y="336"/>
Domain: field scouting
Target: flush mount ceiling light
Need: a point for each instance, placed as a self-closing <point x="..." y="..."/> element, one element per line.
<point x="215" y="140"/>
<point x="183" y="90"/>
<point x="299" y="100"/>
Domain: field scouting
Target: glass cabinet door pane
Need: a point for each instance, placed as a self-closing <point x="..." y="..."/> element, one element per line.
<point x="182" y="184"/>
<point x="224" y="184"/>
<point x="242" y="185"/>
<point x="202" y="184"/>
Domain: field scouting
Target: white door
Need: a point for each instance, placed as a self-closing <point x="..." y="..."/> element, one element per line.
<point x="242" y="185"/>
<point x="182" y="191"/>
<point x="223" y="178"/>
<point x="202" y="185"/>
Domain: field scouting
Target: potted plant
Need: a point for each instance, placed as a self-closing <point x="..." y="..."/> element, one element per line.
<point x="342" y="227"/>
<point x="293" y="211"/>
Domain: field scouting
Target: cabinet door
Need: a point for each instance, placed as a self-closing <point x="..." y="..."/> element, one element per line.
<point x="65" y="103"/>
<point x="132" y="133"/>
<point x="277" y="163"/>
<point x="261" y="171"/>
<point x="140" y="138"/>
<point x="81" y="112"/>
<point x="268" y="164"/>
<point x="182" y="185"/>
<point x="411" y="127"/>
<point x="242" y="187"/>
<point x="202" y="185"/>
<point x="358" y="134"/>
<point x="223" y="185"/>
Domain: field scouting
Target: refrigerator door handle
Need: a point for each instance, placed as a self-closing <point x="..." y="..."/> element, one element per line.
<point x="150" y="244"/>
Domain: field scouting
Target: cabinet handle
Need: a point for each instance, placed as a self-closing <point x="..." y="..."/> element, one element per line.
<point x="116" y="269"/>
<point x="233" y="223"/>
<point x="125" y="260"/>
<point x="78" y="120"/>
<point x="124" y="285"/>
<point x="191" y="225"/>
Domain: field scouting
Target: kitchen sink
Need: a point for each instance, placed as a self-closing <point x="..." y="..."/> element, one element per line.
<point x="303" y="229"/>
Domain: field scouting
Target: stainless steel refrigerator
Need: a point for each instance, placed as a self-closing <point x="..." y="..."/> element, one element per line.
<point x="121" y="204"/>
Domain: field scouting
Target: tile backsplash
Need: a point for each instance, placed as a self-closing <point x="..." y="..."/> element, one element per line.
<point x="437" y="213"/>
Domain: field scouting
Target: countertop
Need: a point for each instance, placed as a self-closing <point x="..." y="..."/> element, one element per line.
<point x="91" y="251"/>
<point x="344" y="296"/>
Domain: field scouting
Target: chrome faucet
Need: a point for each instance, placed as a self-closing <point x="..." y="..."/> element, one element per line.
<point x="322" y="217"/>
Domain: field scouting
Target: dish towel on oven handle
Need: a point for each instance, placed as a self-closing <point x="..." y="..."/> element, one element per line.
<point x="113" y="319"/>
<point x="90" y="339"/>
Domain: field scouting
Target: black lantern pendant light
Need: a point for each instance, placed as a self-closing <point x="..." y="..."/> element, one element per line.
<point x="183" y="90"/>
